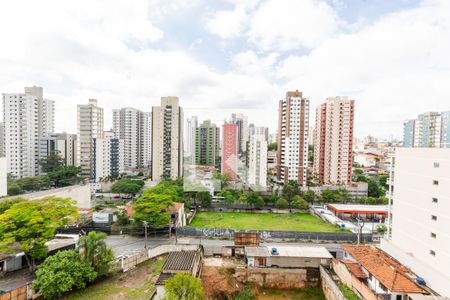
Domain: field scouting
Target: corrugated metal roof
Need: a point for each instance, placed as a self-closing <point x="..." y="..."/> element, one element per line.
<point x="163" y="277"/>
<point x="257" y="251"/>
<point x="180" y="261"/>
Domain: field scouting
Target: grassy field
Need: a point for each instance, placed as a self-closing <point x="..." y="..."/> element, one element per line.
<point x="136" y="284"/>
<point x="262" y="221"/>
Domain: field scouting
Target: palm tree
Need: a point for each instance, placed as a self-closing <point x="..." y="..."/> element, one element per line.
<point x="93" y="249"/>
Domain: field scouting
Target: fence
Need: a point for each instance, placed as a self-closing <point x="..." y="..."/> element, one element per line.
<point x="346" y="237"/>
<point x="130" y="262"/>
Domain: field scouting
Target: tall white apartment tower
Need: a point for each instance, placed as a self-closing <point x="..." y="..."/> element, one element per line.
<point x="241" y="121"/>
<point x="257" y="162"/>
<point x="420" y="237"/>
<point x="90" y="125"/>
<point x="189" y="147"/>
<point x="167" y="139"/>
<point x="28" y="118"/>
<point x="333" y="141"/>
<point x="108" y="157"/>
<point x="131" y="126"/>
<point x="293" y="127"/>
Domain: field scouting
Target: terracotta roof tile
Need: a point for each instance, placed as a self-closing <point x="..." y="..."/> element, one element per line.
<point x="174" y="208"/>
<point x="392" y="274"/>
<point x="355" y="269"/>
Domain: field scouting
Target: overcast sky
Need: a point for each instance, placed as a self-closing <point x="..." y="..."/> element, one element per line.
<point x="219" y="57"/>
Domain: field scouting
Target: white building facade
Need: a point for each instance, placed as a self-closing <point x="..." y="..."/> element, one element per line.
<point x="257" y="162"/>
<point x="420" y="236"/>
<point x="132" y="126"/>
<point x="191" y="126"/>
<point x="28" y="118"/>
<point x="64" y="144"/>
<point x="293" y="127"/>
<point x="241" y="121"/>
<point x="108" y="157"/>
<point x="167" y="139"/>
<point x="90" y="126"/>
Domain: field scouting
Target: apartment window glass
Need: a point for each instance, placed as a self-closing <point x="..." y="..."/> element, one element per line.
<point x="435" y="200"/>
<point x="433" y="235"/>
<point x="433" y="217"/>
<point x="436" y="165"/>
<point x="435" y="182"/>
<point x="432" y="252"/>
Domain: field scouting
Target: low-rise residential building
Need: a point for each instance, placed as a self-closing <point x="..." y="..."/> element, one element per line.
<point x="373" y="274"/>
<point x="287" y="256"/>
<point x="177" y="214"/>
<point x="355" y="190"/>
<point x="360" y="211"/>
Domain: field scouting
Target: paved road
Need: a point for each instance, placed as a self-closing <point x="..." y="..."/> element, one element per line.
<point x="129" y="245"/>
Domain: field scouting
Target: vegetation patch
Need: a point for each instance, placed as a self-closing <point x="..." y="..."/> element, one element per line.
<point x="348" y="293"/>
<point x="262" y="221"/>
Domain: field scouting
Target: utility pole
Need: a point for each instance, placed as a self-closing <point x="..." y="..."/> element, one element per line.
<point x="145" y="232"/>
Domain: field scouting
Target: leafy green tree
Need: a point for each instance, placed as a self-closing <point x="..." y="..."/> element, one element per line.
<point x="310" y="196"/>
<point x="299" y="202"/>
<point x="374" y="189"/>
<point x="122" y="218"/>
<point x="254" y="200"/>
<point x="14" y="189"/>
<point x="184" y="287"/>
<point x="27" y="225"/>
<point x="259" y="203"/>
<point x="52" y="162"/>
<point x="282" y="203"/>
<point x="5" y="204"/>
<point x="61" y="273"/>
<point x="382" y="229"/>
<point x="65" y="176"/>
<point x="93" y="249"/>
<point x="153" y="208"/>
<point x="290" y="190"/>
<point x="272" y="146"/>
<point x="204" y="198"/>
<point x="127" y="186"/>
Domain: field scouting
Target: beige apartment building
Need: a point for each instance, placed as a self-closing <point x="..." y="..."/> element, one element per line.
<point x="90" y="125"/>
<point x="167" y="139"/>
<point x="333" y="141"/>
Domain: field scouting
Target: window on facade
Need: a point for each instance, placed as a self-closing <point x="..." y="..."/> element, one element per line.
<point x="433" y="217"/>
<point x="436" y="165"/>
<point x="433" y="235"/>
<point x="432" y="253"/>
<point x="435" y="182"/>
<point x="435" y="200"/>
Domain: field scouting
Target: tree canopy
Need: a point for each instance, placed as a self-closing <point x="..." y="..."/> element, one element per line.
<point x="127" y="186"/>
<point x="184" y="287"/>
<point x="51" y="162"/>
<point x="27" y="225"/>
<point x="62" y="272"/>
<point x="272" y="146"/>
<point x="93" y="249"/>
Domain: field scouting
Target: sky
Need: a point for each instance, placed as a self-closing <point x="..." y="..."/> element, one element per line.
<point x="391" y="56"/>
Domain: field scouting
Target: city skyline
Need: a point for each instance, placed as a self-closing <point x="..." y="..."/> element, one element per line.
<point x="222" y="60"/>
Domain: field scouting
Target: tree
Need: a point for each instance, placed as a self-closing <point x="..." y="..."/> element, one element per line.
<point x="93" y="250"/>
<point x="282" y="203"/>
<point x="254" y="200"/>
<point x="52" y="162"/>
<point x="272" y="146"/>
<point x="382" y="229"/>
<point x="374" y="189"/>
<point x="290" y="190"/>
<point x="259" y="203"/>
<point x="153" y="208"/>
<point x="310" y="196"/>
<point x="299" y="202"/>
<point x="184" y="287"/>
<point x="14" y="189"/>
<point x="204" y="198"/>
<point x="5" y="204"/>
<point x="228" y="198"/>
<point x="61" y="273"/>
<point x="127" y="186"/>
<point x="27" y="225"/>
<point x="122" y="218"/>
<point x="65" y="176"/>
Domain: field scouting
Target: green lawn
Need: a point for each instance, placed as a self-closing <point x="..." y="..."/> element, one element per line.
<point x="262" y="221"/>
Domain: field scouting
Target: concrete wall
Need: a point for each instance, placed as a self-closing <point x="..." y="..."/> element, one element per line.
<point x="329" y="286"/>
<point x="356" y="285"/>
<point x="80" y="193"/>
<point x="278" y="278"/>
<point x="268" y="234"/>
<point x="3" y="173"/>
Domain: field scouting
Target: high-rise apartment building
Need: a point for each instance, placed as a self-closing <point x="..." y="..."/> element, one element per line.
<point x="90" y="126"/>
<point x="207" y="145"/>
<point x="293" y="127"/>
<point x="189" y="147"/>
<point x="108" y="155"/>
<point x="429" y="130"/>
<point x="63" y="143"/>
<point x="167" y="139"/>
<point x="131" y="126"/>
<point x="333" y="143"/>
<point x="257" y="162"/>
<point x="261" y="130"/>
<point x="230" y="150"/>
<point x="2" y="139"/>
<point x="241" y="121"/>
<point x="28" y="118"/>
<point x="420" y="237"/>
<point x="408" y="133"/>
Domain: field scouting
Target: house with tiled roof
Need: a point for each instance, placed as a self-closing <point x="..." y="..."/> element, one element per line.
<point x="374" y="275"/>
